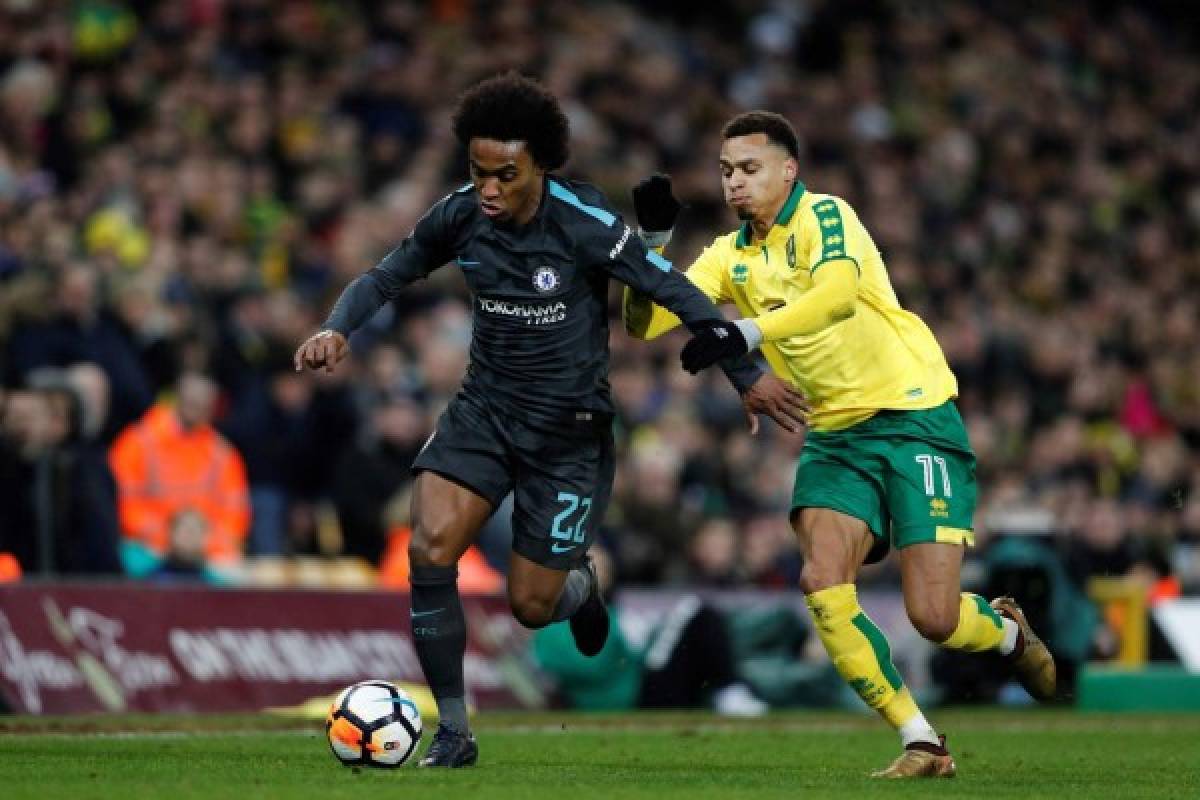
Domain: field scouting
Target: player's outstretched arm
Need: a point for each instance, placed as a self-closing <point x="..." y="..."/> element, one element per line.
<point x="831" y="300"/>
<point x="423" y="251"/>
<point x="357" y="302"/>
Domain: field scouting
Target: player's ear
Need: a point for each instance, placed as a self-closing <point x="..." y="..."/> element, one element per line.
<point x="791" y="169"/>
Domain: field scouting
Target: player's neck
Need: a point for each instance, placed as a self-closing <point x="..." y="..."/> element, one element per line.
<point x="762" y="224"/>
<point x="529" y="211"/>
<point x="761" y="227"/>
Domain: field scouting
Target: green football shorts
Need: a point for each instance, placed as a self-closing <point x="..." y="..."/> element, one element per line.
<point x="910" y="475"/>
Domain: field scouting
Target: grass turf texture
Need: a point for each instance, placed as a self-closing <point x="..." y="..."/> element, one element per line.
<point x="1000" y="754"/>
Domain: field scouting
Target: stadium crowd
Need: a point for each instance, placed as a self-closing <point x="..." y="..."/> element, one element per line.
<point x="186" y="185"/>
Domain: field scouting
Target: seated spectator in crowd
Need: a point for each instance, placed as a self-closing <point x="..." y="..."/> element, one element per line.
<point x="172" y="460"/>
<point x="274" y="423"/>
<point x="75" y="326"/>
<point x="713" y="554"/>
<point x="374" y="470"/>
<point x="59" y="509"/>
<point x="185" y="559"/>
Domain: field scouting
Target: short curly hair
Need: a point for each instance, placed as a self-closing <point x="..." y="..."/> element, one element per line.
<point x="511" y="107"/>
<point x="778" y="130"/>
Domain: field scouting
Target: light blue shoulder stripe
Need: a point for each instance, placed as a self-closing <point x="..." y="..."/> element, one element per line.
<point x="658" y="261"/>
<point x="466" y="187"/>
<point x="570" y="198"/>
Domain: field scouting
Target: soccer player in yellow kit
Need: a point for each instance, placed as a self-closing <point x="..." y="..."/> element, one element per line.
<point x="886" y="460"/>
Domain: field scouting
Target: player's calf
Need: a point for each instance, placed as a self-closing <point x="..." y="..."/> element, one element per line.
<point x="531" y="611"/>
<point x="590" y="623"/>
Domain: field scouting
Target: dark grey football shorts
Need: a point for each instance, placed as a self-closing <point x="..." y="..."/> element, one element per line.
<point x="561" y="474"/>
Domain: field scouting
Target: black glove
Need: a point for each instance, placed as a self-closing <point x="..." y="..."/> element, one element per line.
<point x="706" y="348"/>
<point x="655" y="204"/>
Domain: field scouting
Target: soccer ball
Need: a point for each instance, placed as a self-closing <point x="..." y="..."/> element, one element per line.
<point x="373" y="724"/>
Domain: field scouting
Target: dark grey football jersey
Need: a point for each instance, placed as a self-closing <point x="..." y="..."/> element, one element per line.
<point x="539" y="295"/>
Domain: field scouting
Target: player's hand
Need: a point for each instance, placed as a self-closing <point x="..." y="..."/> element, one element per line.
<point x="654" y="203"/>
<point x="323" y="349"/>
<point x="779" y="401"/>
<point x="722" y="340"/>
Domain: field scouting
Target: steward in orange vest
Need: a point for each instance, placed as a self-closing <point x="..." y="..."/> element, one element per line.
<point x="173" y="460"/>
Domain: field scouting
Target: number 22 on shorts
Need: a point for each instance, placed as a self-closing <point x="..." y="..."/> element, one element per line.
<point x="561" y="529"/>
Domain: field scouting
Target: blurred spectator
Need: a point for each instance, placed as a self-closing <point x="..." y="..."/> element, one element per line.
<point x="172" y="460"/>
<point x="78" y="327"/>
<point x="186" y="557"/>
<point x="275" y="424"/>
<point x="713" y="554"/>
<point x="59" y="516"/>
<point x="374" y="470"/>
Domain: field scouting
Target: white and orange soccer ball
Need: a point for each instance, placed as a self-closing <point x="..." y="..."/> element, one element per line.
<point x="373" y="724"/>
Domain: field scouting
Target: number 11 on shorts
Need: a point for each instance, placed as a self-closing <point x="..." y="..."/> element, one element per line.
<point x="927" y="461"/>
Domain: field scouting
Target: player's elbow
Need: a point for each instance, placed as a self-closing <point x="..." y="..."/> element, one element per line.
<point x="842" y="310"/>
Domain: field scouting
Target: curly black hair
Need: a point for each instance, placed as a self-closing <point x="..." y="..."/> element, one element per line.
<point x="778" y="130"/>
<point x="511" y="107"/>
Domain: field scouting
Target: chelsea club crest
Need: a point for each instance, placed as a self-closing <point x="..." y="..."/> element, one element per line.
<point x="546" y="279"/>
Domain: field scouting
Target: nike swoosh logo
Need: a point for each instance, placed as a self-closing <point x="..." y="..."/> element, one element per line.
<point x="557" y="548"/>
<point x="462" y="263"/>
<point x="415" y="614"/>
<point x="404" y="701"/>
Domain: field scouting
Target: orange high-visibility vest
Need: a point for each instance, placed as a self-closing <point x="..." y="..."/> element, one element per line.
<point x="162" y="469"/>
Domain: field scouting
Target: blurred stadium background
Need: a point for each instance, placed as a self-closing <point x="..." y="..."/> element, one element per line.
<point x="186" y="185"/>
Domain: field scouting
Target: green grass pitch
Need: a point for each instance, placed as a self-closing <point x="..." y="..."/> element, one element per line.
<point x="566" y="756"/>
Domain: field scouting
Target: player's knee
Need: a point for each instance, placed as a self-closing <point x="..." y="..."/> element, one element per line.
<point x="815" y="577"/>
<point x="532" y="612"/>
<point x="430" y="546"/>
<point x="935" y="624"/>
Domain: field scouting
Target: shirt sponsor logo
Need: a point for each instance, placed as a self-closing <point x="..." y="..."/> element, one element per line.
<point x="532" y="313"/>
<point x="620" y="245"/>
<point x="939" y="508"/>
<point x="546" y="279"/>
<point x="741" y="273"/>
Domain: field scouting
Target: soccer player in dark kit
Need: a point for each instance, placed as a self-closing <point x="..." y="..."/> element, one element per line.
<point x="534" y="415"/>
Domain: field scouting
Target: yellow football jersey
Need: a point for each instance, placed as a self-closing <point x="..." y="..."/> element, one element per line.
<point x="882" y="357"/>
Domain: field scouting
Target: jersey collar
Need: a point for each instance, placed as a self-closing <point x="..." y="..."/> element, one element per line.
<point x="783" y="218"/>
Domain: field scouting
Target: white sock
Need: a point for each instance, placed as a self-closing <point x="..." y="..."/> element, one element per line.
<point x="918" y="729"/>
<point x="1009" y="643"/>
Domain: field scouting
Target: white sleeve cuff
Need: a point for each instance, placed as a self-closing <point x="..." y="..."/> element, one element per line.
<point x="750" y="332"/>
